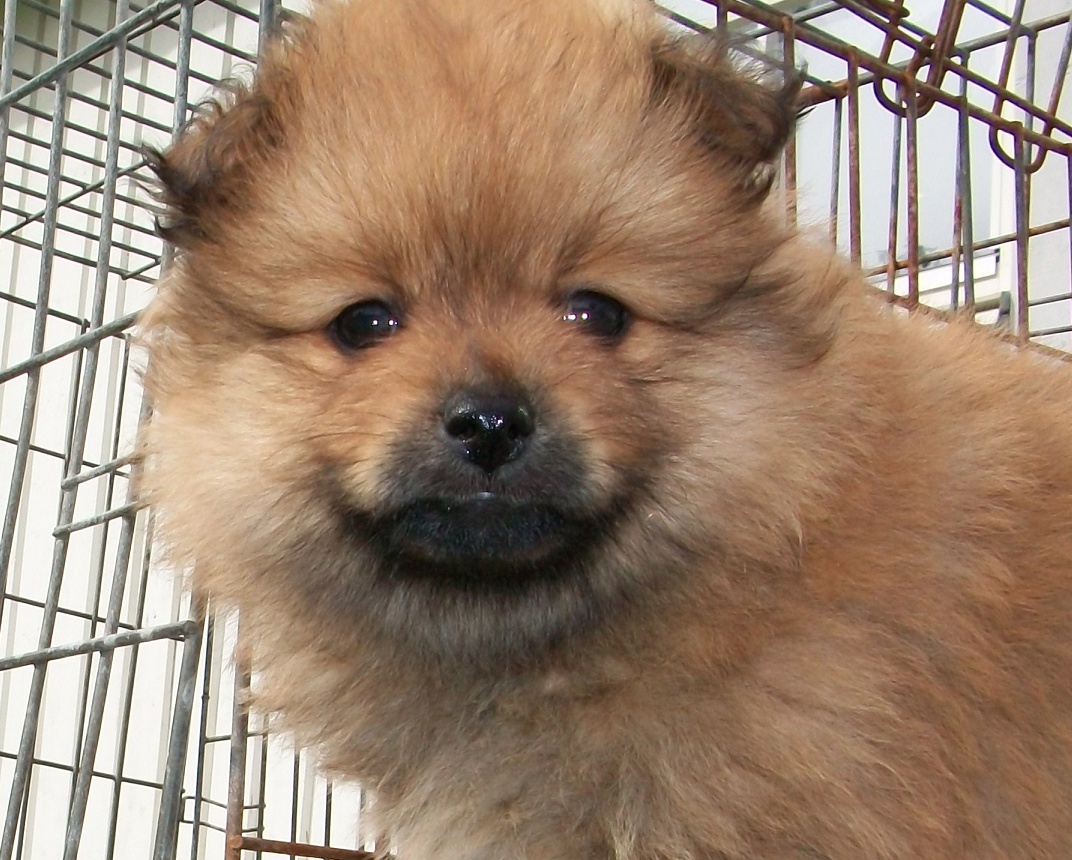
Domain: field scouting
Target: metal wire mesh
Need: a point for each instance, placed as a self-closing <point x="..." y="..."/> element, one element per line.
<point x="937" y="153"/>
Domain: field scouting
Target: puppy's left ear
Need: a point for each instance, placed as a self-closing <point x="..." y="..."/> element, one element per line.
<point x="743" y="117"/>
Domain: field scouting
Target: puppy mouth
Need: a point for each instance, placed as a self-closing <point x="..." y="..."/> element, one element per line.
<point x="479" y="534"/>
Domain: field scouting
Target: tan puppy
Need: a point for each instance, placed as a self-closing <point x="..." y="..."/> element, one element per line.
<point x="572" y="505"/>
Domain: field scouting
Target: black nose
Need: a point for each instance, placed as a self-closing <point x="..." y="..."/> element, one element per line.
<point x="489" y="430"/>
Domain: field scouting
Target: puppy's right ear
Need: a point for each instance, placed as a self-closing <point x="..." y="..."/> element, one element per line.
<point x="205" y="176"/>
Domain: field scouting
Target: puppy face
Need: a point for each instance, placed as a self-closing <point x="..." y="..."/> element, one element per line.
<point x="455" y="353"/>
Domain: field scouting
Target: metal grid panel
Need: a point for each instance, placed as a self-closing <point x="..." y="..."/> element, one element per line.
<point x="95" y="731"/>
<point x="936" y="153"/>
<point x="947" y="147"/>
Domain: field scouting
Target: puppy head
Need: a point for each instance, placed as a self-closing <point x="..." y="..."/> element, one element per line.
<point x="473" y="336"/>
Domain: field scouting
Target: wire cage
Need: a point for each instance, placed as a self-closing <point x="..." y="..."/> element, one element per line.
<point x="937" y="153"/>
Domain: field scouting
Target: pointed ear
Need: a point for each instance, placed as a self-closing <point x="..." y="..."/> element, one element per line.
<point x="207" y="172"/>
<point x="742" y="116"/>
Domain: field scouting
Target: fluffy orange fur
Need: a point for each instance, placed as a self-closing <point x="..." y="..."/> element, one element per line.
<point x="823" y="611"/>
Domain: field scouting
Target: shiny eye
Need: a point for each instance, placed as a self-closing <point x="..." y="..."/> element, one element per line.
<point x="597" y="314"/>
<point x="364" y="324"/>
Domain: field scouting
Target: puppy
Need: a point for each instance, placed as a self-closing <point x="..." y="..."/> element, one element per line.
<point x="571" y="503"/>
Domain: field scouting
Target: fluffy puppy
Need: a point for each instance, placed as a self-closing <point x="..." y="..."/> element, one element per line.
<point x="572" y="504"/>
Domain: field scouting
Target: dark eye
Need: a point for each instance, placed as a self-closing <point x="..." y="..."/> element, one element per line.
<point x="364" y="324"/>
<point x="597" y="314"/>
